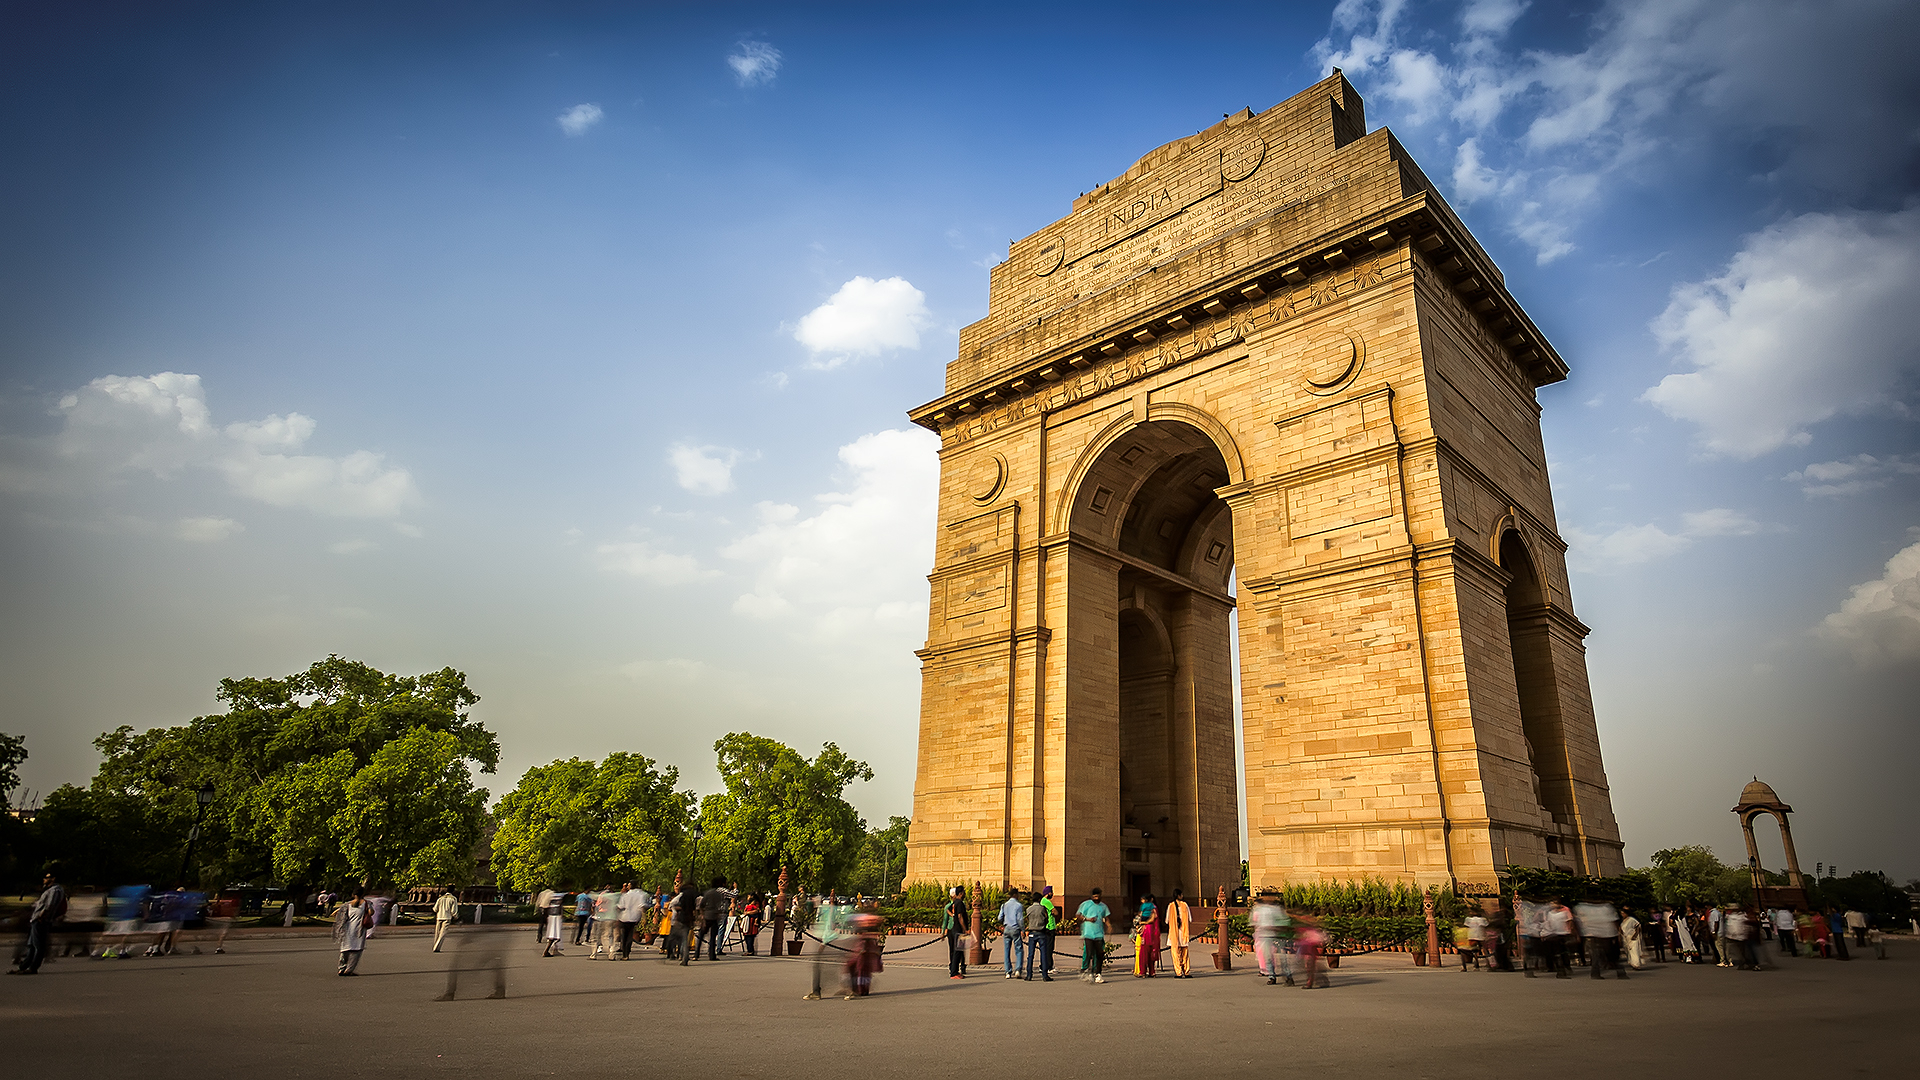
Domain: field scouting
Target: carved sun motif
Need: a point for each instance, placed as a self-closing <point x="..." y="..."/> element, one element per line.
<point x="1331" y="362"/>
<point x="989" y="477"/>
<point x="1238" y="162"/>
<point x="1047" y="259"/>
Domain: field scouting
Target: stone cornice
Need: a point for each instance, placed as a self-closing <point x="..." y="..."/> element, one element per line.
<point x="1313" y="271"/>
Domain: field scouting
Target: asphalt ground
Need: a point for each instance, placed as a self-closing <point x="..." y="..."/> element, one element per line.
<point x="274" y="1007"/>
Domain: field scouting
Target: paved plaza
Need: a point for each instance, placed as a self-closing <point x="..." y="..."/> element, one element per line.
<point x="274" y="1007"/>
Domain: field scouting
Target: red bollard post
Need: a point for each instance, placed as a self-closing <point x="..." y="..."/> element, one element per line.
<point x="977" y="956"/>
<point x="1433" y="931"/>
<point x="1223" y="955"/>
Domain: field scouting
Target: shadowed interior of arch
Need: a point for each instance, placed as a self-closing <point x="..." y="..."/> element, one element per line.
<point x="1533" y="676"/>
<point x="1150" y="495"/>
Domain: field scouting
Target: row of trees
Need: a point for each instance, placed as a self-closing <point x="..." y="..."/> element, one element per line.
<point x="338" y="773"/>
<point x="580" y="822"/>
<point x="344" y="774"/>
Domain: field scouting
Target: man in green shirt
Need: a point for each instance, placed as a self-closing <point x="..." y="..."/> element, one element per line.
<point x="1093" y="937"/>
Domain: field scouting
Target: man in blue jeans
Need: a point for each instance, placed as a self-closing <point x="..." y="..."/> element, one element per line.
<point x="1039" y="940"/>
<point x="1013" y="923"/>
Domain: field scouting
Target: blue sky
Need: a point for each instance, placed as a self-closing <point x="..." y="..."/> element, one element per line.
<point x="571" y="346"/>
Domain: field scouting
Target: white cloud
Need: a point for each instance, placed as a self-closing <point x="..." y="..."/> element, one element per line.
<point x="673" y="669"/>
<point x="206" y="530"/>
<point x="161" y="425"/>
<point x="1815" y="317"/>
<point x="411" y="532"/>
<point x="754" y="63"/>
<point x="577" y="120"/>
<point x="1862" y="472"/>
<point x="864" y="318"/>
<point x="1650" y="76"/>
<point x="1880" y="622"/>
<point x="704" y="470"/>
<point x="352" y="547"/>
<point x="1632" y="545"/>
<point x="860" y="563"/>
<point x="638" y="558"/>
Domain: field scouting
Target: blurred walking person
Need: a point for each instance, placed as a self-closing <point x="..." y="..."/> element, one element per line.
<point x="1783" y="931"/>
<point x="445" y="910"/>
<point x="1269" y="922"/>
<point x="48" y="909"/>
<point x="477" y="949"/>
<point x="1557" y="927"/>
<point x="555" y="921"/>
<point x="1600" y="926"/>
<point x="828" y="923"/>
<point x="686" y="907"/>
<point x="1311" y="940"/>
<point x="1180" y="934"/>
<point x="631" y="906"/>
<point x="863" y="954"/>
<point x="350" y="924"/>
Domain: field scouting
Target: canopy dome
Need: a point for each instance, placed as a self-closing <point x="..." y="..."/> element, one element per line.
<point x="1758" y="794"/>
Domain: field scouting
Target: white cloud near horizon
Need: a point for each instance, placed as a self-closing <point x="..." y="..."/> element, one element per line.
<point x="161" y="425"/>
<point x="1632" y="545"/>
<point x="1814" y="318"/>
<point x="864" y="317"/>
<point x="1861" y="472"/>
<point x="754" y="63"/>
<point x="640" y="559"/>
<point x="860" y="562"/>
<point x="577" y="120"/>
<point x="704" y="470"/>
<point x="1879" y="623"/>
<point x="206" y="530"/>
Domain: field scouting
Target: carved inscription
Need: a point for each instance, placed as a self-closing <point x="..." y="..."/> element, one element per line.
<point x="1204" y="338"/>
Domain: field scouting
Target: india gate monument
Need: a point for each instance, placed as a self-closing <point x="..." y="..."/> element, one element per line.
<point x="1261" y="400"/>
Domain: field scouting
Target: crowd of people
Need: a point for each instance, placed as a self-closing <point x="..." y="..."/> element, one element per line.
<point x="687" y="924"/>
<point x="1545" y="935"/>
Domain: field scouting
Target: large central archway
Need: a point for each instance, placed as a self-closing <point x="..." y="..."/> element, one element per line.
<point x="1147" y="526"/>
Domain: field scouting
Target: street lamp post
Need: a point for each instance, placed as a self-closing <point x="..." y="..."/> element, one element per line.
<point x="202" y="799"/>
<point x="697" y="834"/>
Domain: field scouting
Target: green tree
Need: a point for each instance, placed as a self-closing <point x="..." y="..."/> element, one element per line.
<point x="779" y="808"/>
<point x="412" y="815"/>
<point x="577" y="822"/>
<point x="883" y="860"/>
<point x="281" y="761"/>
<point x="13" y="753"/>
<point x="1694" y="875"/>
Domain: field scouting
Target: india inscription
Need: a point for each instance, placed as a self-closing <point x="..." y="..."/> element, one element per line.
<point x="1265" y="384"/>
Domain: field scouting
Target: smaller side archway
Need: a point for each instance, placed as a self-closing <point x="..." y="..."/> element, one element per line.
<point x="1758" y="800"/>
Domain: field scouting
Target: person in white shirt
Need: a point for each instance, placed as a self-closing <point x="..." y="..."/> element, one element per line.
<point x="1783" y="931"/>
<point x="632" y="907"/>
<point x="445" y="908"/>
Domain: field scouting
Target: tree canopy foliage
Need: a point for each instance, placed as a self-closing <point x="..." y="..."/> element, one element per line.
<point x="782" y="809"/>
<point x="578" y="823"/>
<point x="1694" y="876"/>
<point x="340" y="771"/>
